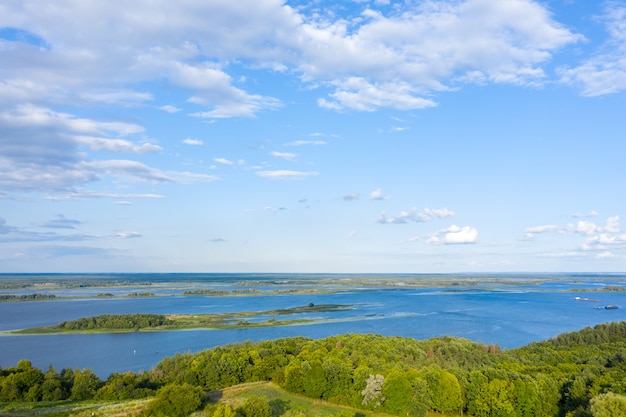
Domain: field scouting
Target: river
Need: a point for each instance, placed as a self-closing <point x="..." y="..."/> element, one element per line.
<point x="510" y="315"/>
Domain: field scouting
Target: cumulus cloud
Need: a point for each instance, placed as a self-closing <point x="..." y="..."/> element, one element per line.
<point x="414" y="215"/>
<point x="584" y="227"/>
<point x="358" y="94"/>
<point x="454" y="235"/>
<point x="377" y="194"/>
<point x="371" y="59"/>
<point x="599" y="239"/>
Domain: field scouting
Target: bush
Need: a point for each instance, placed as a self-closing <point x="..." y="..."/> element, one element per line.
<point x="176" y="401"/>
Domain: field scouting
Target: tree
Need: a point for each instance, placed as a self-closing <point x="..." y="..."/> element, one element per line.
<point x="86" y="383"/>
<point x="396" y="389"/>
<point x="256" y="406"/>
<point x="444" y="388"/>
<point x="176" y="400"/>
<point x="223" y="410"/>
<point x="608" y="405"/>
<point x="51" y="387"/>
<point x="314" y="382"/>
<point x="373" y="392"/>
<point x="495" y="400"/>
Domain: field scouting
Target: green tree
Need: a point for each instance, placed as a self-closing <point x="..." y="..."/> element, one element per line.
<point x="397" y="392"/>
<point x="294" y="377"/>
<point x="223" y="410"/>
<point x="495" y="400"/>
<point x="86" y="383"/>
<point x="314" y="382"/>
<point x="608" y="405"/>
<point x="22" y="384"/>
<point x="444" y="388"/>
<point x="256" y="406"/>
<point x="176" y="400"/>
<point x="51" y="387"/>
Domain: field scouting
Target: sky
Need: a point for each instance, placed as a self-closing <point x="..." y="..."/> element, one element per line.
<point x="357" y="136"/>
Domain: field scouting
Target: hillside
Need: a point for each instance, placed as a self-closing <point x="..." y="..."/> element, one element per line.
<point x="578" y="374"/>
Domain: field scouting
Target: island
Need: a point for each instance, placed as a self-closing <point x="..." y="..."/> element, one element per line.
<point x="121" y="323"/>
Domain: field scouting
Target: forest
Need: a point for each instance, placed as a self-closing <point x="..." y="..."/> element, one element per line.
<point x="577" y="374"/>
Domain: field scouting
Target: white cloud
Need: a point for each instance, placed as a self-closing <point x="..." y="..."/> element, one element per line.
<point x="370" y="60"/>
<point x="605" y="72"/>
<point x="358" y="94"/>
<point x="285" y="174"/>
<point x="390" y="61"/>
<point x="137" y="172"/>
<point x="377" y="194"/>
<point x="170" y="109"/>
<point x="193" y="142"/>
<point x="584" y="227"/>
<point x="42" y="149"/>
<point x="413" y="215"/>
<point x="284" y="155"/>
<point x="115" y="145"/>
<point x="612" y="225"/>
<point x="223" y="161"/>
<point x="80" y="194"/>
<point x="454" y="235"/>
<point x="543" y="228"/>
<point x="306" y="142"/>
<point x="127" y="235"/>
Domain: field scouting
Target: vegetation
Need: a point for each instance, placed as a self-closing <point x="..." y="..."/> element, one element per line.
<point x="578" y="374"/>
<point x="153" y="322"/>
<point x="26" y="297"/>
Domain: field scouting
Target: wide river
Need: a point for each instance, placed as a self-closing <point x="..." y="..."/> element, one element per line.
<point x="510" y="314"/>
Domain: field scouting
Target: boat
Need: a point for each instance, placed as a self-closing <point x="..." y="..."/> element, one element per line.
<point x="611" y="307"/>
<point x="585" y="299"/>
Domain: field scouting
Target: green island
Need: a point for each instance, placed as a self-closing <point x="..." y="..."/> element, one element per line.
<point x="576" y="374"/>
<point x="109" y="323"/>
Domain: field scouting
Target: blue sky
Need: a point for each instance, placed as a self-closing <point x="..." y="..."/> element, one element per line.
<point x="312" y="136"/>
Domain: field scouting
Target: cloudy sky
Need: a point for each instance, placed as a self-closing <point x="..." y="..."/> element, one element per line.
<point x="312" y="136"/>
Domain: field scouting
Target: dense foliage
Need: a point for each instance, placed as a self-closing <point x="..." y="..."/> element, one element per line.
<point x="116" y="321"/>
<point x="579" y="374"/>
<point x="27" y="297"/>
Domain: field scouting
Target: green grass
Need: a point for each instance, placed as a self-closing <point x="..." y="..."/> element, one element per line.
<point x="282" y="400"/>
<point x="74" y="408"/>
<point x="235" y="396"/>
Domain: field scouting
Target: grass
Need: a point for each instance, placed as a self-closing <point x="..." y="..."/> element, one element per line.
<point x="130" y="408"/>
<point x="279" y="399"/>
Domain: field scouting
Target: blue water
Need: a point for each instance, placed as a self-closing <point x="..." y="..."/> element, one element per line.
<point x="508" y="315"/>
